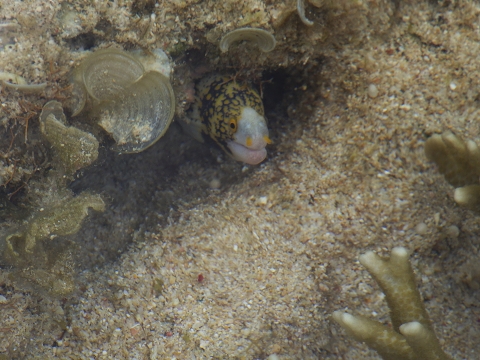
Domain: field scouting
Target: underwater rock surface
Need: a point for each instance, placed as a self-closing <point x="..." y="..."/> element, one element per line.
<point x="197" y="256"/>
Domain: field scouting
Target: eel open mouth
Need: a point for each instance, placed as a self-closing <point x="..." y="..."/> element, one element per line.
<point x="252" y="156"/>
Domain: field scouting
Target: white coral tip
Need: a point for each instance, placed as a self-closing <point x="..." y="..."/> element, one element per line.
<point x="400" y="252"/>
<point x="367" y="258"/>
<point x="411" y="329"/>
<point x="461" y="196"/>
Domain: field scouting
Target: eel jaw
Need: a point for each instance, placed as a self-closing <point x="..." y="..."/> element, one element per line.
<point x="250" y="139"/>
<point x="245" y="154"/>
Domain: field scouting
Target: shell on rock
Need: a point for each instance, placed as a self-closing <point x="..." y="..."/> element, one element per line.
<point x="131" y="98"/>
<point x="17" y="82"/>
<point x="105" y="73"/>
<point x="301" y="13"/>
<point x="140" y="114"/>
<point x="265" y="41"/>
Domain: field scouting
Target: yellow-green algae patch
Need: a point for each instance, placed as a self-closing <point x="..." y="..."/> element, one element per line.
<point x="75" y="148"/>
<point x="65" y="218"/>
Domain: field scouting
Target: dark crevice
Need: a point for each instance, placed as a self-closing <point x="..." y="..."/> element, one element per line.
<point x="84" y="41"/>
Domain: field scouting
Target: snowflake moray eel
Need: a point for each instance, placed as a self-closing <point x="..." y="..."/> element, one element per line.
<point x="231" y="114"/>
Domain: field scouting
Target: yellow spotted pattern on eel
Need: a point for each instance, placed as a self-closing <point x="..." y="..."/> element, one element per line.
<point x="221" y="99"/>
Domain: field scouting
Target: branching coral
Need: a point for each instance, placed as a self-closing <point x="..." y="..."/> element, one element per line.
<point x="459" y="162"/>
<point x="412" y="336"/>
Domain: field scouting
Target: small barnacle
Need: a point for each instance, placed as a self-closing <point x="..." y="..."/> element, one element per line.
<point x="301" y="13"/>
<point x="131" y="95"/>
<point x="75" y="148"/>
<point x="265" y="41"/>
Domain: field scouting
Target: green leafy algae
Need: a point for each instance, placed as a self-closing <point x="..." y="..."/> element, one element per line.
<point x="39" y="260"/>
<point x="62" y="219"/>
<point x="75" y="148"/>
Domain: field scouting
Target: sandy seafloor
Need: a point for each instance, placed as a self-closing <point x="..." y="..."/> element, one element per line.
<point x="277" y="245"/>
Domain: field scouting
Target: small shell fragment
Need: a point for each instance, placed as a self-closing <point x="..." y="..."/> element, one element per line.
<point x="32" y="88"/>
<point x="372" y="91"/>
<point x="17" y="82"/>
<point x="52" y="108"/>
<point x="265" y="41"/>
<point x="12" y="78"/>
<point x="301" y="13"/>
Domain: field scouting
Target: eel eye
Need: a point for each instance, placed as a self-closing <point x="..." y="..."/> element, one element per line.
<point x="233" y="124"/>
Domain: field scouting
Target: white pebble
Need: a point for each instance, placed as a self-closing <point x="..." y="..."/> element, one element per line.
<point x="372" y="91"/>
<point x="453" y="231"/>
<point x="421" y="228"/>
<point x="262" y="200"/>
<point x="3" y="299"/>
<point x="273" y="357"/>
<point x="453" y="86"/>
<point x="215" y="184"/>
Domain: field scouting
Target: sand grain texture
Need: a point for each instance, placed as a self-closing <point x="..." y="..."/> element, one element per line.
<point x="277" y="245"/>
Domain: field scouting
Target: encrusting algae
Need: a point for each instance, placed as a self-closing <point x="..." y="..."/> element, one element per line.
<point x="271" y="240"/>
<point x="63" y="219"/>
<point x="35" y="262"/>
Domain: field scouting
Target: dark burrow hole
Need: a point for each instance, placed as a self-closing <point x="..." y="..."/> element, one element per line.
<point x="90" y="40"/>
<point x="143" y="190"/>
<point x="85" y="41"/>
<point x="143" y="7"/>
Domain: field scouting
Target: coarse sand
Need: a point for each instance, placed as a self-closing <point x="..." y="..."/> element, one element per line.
<point x="246" y="262"/>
